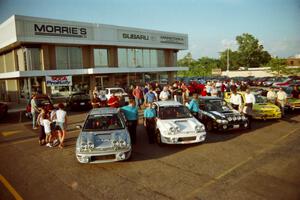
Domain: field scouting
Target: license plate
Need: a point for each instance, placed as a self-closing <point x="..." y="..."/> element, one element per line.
<point x="82" y="103"/>
<point x="236" y="126"/>
<point x="126" y="98"/>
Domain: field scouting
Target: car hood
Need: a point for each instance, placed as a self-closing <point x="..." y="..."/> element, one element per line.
<point x="184" y="125"/>
<point x="224" y="115"/>
<point x="103" y="140"/>
<point x="265" y="106"/>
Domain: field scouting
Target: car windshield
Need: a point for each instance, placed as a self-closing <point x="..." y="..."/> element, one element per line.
<point x="260" y="99"/>
<point x="103" y="123"/>
<point x="217" y="105"/>
<point x="42" y="102"/>
<point x="174" y="112"/>
<point x="80" y="97"/>
<point x="117" y="91"/>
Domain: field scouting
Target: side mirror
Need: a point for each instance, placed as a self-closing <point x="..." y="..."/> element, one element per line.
<point x="78" y="126"/>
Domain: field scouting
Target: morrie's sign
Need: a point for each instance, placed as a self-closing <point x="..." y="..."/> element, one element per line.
<point x="59" y="80"/>
<point x="59" y="30"/>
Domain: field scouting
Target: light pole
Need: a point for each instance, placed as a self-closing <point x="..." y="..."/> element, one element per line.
<point x="227" y="72"/>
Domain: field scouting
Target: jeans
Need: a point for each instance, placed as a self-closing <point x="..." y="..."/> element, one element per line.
<point x="138" y="102"/>
<point x="33" y="119"/>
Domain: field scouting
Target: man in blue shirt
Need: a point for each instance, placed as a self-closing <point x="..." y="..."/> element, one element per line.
<point x="150" y="97"/>
<point x="194" y="105"/>
<point x="131" y="113"/>
<point x="149" y="122"/>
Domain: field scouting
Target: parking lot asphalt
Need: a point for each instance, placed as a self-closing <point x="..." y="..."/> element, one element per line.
<point x="262" y="163"/>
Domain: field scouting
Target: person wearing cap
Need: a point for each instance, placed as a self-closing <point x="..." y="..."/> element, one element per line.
<point x="149" y="122"/>
<point x="281" y="100"/>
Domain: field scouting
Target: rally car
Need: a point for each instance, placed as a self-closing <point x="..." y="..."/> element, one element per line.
<point x="176" y="125"/>
<point x="103" y="137"/>
<point x="262" y="109"/>
<point x="217" y="114"/>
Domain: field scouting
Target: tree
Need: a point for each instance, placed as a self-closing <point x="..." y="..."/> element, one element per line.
<point x="251" y="53"/>
<point x="233" y="60"/>
<point x="278" y="66"/>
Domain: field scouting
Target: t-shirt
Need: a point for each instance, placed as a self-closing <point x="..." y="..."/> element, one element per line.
<point x="46" y="124"/>
<point x="33" y="105"/>
<point x="236" y="99"/>
<point x="149" y="113"/>
<point x="95" y="102"/>
<point x="193" y="106"/>
<point x="130" y="112"/>
<point x="60" y="115"/>
<point x="150" y="97"/>
<point x="113" y="102"/>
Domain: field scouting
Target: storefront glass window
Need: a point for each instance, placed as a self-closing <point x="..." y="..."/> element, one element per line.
<point x="146" y="57"/>
<point x="2" y="64"/>
<point x="100" y="57"/>
<point x="160" y="58"/>
<point x="139" y="57"/>
<point x="174" y="59"/>
<point x="68" y="57"/>
<point x="153" y="58"/>
<point x="131" y="57"/>
<point x="122" y="57"/>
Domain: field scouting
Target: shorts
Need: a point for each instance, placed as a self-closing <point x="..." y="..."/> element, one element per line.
<point x="60" y="126"/>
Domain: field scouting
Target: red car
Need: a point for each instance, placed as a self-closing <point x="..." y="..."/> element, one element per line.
<point x="42" y="101"/>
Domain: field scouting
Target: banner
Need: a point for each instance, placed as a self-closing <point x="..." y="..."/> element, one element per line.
<point x="58" y="80"/>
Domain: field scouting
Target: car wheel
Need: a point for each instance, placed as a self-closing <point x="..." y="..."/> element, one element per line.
<point x="158" y="138"/>
<point x="209" y="126"/>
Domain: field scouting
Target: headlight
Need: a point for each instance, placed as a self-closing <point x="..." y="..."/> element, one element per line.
<point x="199" y="128"/>
<point x="177" y="129"/>
<point x="84" y="147"/>
<point x="234" y="118"/>
<point x="172" y="130"/>
<point x="219" y="121"/>
<point x="122" y="143"/>
<point x="224" y="121"/>
<point x="239" y="118"/>
<point x="91" y="146"/>
<point x="229" y="119"/>
<point x="243" y="117"/>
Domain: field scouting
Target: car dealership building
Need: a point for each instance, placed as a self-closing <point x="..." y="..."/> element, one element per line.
<point x="57" y="56"/>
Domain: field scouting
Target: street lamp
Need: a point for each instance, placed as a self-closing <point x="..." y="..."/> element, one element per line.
<point x="227" y="72"/>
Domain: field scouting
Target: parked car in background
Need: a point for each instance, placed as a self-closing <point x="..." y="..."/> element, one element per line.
<point x="176" y="125"/>
<point x="103" y="137"/>
<point x="119" y="92"/>
<point x="79" y="101"/>
<point x="42" y="101"/>
<point x="3" y="110"/>
<point x="217" y="114"/>
<point x="286" y="82"/>
<point x="261" y="109"/>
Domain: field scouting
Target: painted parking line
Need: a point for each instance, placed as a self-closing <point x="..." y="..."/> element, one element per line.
<point x="238" y="165"/>
<point x="9" y="133"/>
<point x="10" y="188"/>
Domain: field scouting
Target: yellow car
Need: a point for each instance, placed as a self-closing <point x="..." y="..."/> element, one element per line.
<point x="261" y="109"/>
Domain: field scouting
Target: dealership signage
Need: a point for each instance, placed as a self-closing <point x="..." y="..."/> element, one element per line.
<point x="60" y="30"/>
<point x="171" y="39"/>
<point x="59" y="80"/>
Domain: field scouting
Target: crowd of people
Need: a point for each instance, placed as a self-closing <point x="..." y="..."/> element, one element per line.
<point x="142" y="97"/>
<point x="51" y="122"/>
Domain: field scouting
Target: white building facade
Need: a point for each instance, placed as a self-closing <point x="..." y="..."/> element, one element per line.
<point x="54" y="56"/>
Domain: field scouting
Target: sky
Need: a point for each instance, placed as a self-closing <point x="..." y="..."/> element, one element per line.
<point x="211" y="25"/>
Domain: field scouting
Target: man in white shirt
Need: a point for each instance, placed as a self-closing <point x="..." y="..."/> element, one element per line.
<point x="164" y="95"/>
<point x="271" y="96"/>
<point x="249" y="102"/>
<point x="236" y="100"/>
<point x="281" y="100"/>
<point x="61" y="121"/>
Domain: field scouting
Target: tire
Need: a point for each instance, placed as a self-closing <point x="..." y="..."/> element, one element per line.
<point x="158" y="138"/>
<point x="209" y="126"/>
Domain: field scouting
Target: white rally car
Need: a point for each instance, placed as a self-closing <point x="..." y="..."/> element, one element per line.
<point x="176" y="125"/>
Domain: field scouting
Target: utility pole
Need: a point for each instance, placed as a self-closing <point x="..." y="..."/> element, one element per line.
<point x="227" y="72"/>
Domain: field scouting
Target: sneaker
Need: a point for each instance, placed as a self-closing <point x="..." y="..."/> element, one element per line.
<point x="34" y="128"/>
<point x="48" y="145"/>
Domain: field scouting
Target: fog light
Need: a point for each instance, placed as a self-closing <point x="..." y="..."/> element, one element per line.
<point x="122" y="156"/>
<point x="224" y="126"/>
<point x="246" y="125"/>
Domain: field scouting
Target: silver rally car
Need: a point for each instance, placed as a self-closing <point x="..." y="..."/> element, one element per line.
<point x="103" y="137"/>
<point x="176" y="125"/>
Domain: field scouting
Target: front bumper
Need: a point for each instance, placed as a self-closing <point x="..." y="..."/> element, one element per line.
<point x="183" y="138"/>
<point x="232" y="125"/>
<point x="103" y="157"/>
<point x="276" y="115"/>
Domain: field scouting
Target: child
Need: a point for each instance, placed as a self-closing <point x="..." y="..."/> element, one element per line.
<point x="47" y="129"/>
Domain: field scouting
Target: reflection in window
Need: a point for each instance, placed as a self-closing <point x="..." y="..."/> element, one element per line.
<point x="68" y="57"/>
<point x="141" y="58"/>
<point x="100" y="57"/>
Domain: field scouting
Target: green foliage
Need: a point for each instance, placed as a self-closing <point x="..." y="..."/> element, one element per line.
<point x="233" y="60"/>
<point x="278" y="66"/>
<point x="200" y="67"/>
